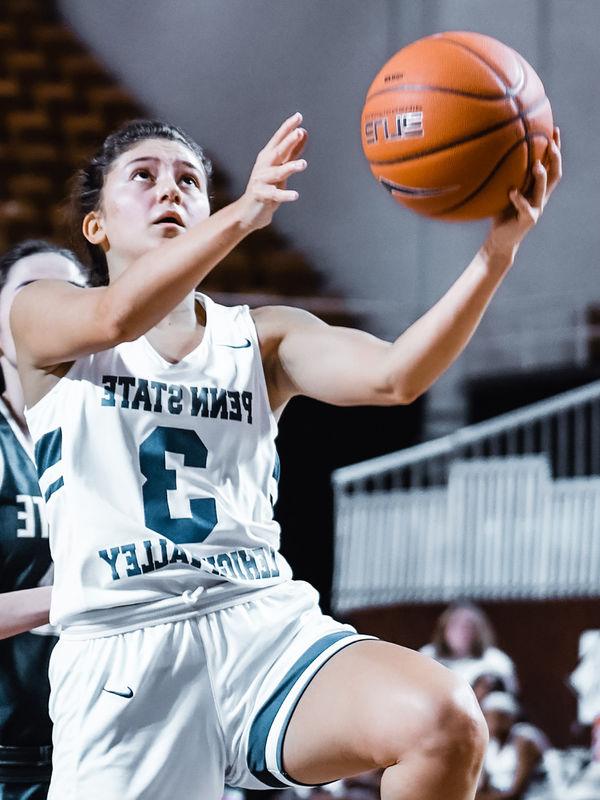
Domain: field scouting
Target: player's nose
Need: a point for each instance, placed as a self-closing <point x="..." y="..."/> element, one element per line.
<point x="168" y="189"/>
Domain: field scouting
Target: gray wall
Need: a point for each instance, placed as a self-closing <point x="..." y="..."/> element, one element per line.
<point x="230" y="70"/>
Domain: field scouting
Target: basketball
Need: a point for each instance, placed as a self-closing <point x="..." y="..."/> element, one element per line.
<point x="453" y="122"/>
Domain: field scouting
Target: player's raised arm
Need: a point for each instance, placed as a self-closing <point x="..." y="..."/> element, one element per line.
<point x="151" y="221"/>
<point x="348" y="367"/>
<point x="23" y="610"/>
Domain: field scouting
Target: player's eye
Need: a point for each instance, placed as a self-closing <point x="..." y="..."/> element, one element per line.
<point x="142" y="175"/>
<point x="190" y="180"/>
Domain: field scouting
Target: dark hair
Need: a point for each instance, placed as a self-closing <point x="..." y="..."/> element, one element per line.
<point x="89" y="181"/>
<point x="496" y="682"/>
<point x="31" y="247"/>
<point x="483" y="640"/>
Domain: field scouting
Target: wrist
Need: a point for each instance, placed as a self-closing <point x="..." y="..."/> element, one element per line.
<point x="497" y="259"/>
<point x="243" y="218"/>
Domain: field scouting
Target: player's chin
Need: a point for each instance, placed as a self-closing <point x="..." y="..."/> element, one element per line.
<point x="161" y="232"/>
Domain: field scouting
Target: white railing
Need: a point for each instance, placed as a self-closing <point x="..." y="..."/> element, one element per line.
<point x="508" y="508"/>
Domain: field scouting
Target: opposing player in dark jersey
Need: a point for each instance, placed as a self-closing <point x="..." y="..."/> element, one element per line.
<point x="25" y="565"/>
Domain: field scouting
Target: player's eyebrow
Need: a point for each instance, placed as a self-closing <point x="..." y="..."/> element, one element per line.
<point x="155" y="158"/>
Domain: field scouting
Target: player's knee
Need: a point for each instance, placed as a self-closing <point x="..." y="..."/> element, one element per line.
<point x="448" y="728"/>
<point x="459" y="734"/>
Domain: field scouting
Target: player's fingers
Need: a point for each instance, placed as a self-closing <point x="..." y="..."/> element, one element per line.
<point x="521" y="204"/>
<point x="556" y="135"/>
<point x="282" y="172"/>
<point x="283" y="151"/>
<point x="540" y="179"/>
<point x="554" y="167"/>
<point x="284" y="130"/>
<point x="298" y="146"/>
<point x="271" y="194"/>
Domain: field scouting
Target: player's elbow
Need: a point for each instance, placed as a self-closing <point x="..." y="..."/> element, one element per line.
<point x="404" y="396"/>
<point x="114" y="325"/>
<point x="398" y="392"/>
<point x="120" y="317"/>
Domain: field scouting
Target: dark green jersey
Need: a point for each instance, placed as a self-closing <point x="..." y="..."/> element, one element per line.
<point x="24" y="563"/>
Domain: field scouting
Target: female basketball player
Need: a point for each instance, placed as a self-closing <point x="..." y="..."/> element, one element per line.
<point x="188" y="655"/>
<point x="25" y="728"/>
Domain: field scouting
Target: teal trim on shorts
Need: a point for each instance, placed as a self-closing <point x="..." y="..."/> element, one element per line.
<point x="263" y="721"/>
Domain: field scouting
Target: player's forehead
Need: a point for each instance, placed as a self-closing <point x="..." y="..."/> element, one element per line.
<point x="162" y="151"/>
<point x="43" y="265"/>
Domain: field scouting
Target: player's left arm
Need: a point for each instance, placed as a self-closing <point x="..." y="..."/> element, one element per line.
<point x="23" y="610"/>
<point x="303" y="355"/>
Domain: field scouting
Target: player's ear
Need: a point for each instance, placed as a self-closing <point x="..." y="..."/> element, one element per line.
<point x="93" y="229"/>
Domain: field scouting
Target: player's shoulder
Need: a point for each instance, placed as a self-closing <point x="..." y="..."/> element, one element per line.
<point x="276" y="321"/>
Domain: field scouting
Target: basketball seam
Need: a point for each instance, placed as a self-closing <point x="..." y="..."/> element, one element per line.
<point x="522" y="114"/>
<point x="431" y="87"/>
<point x="488" y="177"/>
<point x="510" y="90"/>
<point x="456" y="142"/>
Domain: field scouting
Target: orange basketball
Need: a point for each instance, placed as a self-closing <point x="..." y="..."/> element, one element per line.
<point x="452" y="122"/>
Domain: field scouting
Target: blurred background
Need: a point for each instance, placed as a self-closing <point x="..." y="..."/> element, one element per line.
<point x="505" y="512"/>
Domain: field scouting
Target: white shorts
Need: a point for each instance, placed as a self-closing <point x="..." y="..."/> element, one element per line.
<point x="175" y="710"/>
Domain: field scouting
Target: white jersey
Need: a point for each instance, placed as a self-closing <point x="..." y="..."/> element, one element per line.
<point x="160" y="479"/>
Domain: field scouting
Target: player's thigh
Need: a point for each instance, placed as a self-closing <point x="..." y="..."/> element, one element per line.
<point x="134" y="718"/>
<point x="368" y="707"/>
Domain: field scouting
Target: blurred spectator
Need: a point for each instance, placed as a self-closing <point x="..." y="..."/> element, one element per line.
<point x="486" y="682"/>
<point x="514" y="763"/>
<point x="464" y="641"/>
<point x="586" y="682"/>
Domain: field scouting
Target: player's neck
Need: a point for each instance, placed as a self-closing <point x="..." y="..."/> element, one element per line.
<point x="182" y="318"/>
<point x="180" y="332"/>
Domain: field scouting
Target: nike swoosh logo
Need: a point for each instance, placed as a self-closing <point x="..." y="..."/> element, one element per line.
<point x="247" y="343"/>
<point x="128" y="694"/>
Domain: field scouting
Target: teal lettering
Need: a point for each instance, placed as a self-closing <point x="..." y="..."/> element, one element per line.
<point x="111" y="560"/>
<point x="213" y="566"/>
<point x="247" y="405"/>
<point x="236" y="563"/>
<point x="179" y="555"/>
<point x="175" y="397"/>
<point x="149" y="566"/>
<point x="199" y="402"/>
<point x="163" y="552"/>
<point x="126" y="383"/>
<point x="142" y="395"/>
<point x="133" y="568"/>
<point x="224" y="562"/>
<point x="218" y="405"/>
<point x="160" y="388"/>
<point x="235" y="412"/>
<point x="265" y="572"/>
<point x="274" y="567"/>
<point x="110" y="384"/>
<point x="250" y="564"/>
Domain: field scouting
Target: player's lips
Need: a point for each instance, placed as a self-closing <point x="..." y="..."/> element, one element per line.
<point x="169" y="218"/>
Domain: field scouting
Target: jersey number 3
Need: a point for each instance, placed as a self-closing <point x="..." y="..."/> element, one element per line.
<point x="160" y="480"/>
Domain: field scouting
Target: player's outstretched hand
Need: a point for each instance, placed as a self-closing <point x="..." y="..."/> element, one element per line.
<point x="275" y="164"/>
<point x="510" y="228"/>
